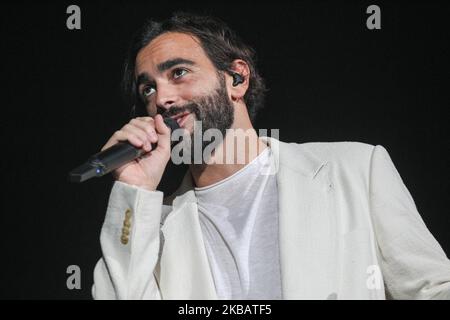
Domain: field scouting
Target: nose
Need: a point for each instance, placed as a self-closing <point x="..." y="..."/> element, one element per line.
<point x="166" y="97"/>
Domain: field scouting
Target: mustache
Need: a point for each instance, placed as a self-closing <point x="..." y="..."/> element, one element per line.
<point x="191" y="107"/>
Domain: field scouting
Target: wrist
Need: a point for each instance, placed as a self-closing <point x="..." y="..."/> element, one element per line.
<point x="145" y="186"/>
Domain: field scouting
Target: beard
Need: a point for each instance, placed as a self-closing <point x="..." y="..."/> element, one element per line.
<point x="215" y="111"/>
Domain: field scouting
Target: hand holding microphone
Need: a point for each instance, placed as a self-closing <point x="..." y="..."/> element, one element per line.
<point x="130" y="156"/>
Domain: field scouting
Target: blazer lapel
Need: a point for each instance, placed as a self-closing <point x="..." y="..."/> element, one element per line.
<point x="184" y="271"/>
<point x="307" y="236"/>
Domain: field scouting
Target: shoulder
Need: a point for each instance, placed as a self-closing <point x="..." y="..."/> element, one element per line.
<point x="344" y="156"/>
<point x="342" y="151"/>
<point x="351" y="165"/>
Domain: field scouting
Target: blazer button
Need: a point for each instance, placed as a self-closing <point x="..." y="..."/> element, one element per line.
<point x="125" y="231"/>
<point x="127" y="223"/>
<point x="126" y="227"/>
<point x="124" y="239"/>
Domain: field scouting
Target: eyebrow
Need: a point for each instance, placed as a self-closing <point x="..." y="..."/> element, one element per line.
<point x="166" y="65"/>
<point x="144" y="77"/>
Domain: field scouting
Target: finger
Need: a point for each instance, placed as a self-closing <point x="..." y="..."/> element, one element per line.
<point x="119" y="136"/>
<point x="146" y="119"/>
<point x="140" y="134"/>
<point x="163" y="132"/>
<point x="132" y="129"/>
<point x="146" y="125"/>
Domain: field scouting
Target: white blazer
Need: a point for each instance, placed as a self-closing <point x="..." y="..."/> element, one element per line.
<point x="348" y="229"/>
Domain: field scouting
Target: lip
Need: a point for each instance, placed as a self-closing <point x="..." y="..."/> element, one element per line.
<point x="181" y="117"/>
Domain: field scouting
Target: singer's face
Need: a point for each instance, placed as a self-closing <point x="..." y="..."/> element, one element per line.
<point x="175" y="77"/>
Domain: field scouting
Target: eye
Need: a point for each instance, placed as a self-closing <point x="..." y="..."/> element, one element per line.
<point x="177" y="73"/>
<point x="148" y="91"/>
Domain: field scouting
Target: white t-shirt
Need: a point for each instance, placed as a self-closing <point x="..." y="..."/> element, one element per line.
<point x="239" y="221"/>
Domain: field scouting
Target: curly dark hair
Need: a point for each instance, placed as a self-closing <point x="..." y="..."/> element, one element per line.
<point x="221" y="44"/>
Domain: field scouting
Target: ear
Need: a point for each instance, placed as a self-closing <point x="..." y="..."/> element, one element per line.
<point x="237" y="92"/>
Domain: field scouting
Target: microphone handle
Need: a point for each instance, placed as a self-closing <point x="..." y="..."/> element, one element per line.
<point x="112" y="158"/>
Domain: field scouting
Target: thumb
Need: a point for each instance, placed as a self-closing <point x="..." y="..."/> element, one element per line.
<point x="163" y="132"/>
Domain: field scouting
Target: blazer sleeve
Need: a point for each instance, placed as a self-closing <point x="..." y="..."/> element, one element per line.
<point x="126" y="268"/>
<point x="412" y="262"/>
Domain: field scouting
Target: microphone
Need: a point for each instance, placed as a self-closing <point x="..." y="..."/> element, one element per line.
<point x="112" y="158"/>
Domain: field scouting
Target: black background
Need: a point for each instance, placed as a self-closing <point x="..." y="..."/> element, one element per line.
<point x="330" y="79"/>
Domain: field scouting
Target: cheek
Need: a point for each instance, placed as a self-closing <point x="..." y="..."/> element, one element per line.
<point x="189" y="89"/>
<point x="200" y="86"/>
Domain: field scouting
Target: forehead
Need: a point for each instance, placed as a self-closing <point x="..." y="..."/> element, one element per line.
<point x="170" y="45"/>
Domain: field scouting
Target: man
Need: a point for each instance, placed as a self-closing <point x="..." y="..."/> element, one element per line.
<point x="333" y="221"/>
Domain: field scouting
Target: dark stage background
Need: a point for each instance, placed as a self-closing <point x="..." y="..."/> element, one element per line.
<point x="330" y="79"/>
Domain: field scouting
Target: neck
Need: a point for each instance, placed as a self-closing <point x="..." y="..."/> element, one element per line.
<point x="239" y="147"/>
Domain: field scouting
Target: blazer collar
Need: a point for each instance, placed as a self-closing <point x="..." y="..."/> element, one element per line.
<point x="287" y="155"/>
<point x="295" y="157"/>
